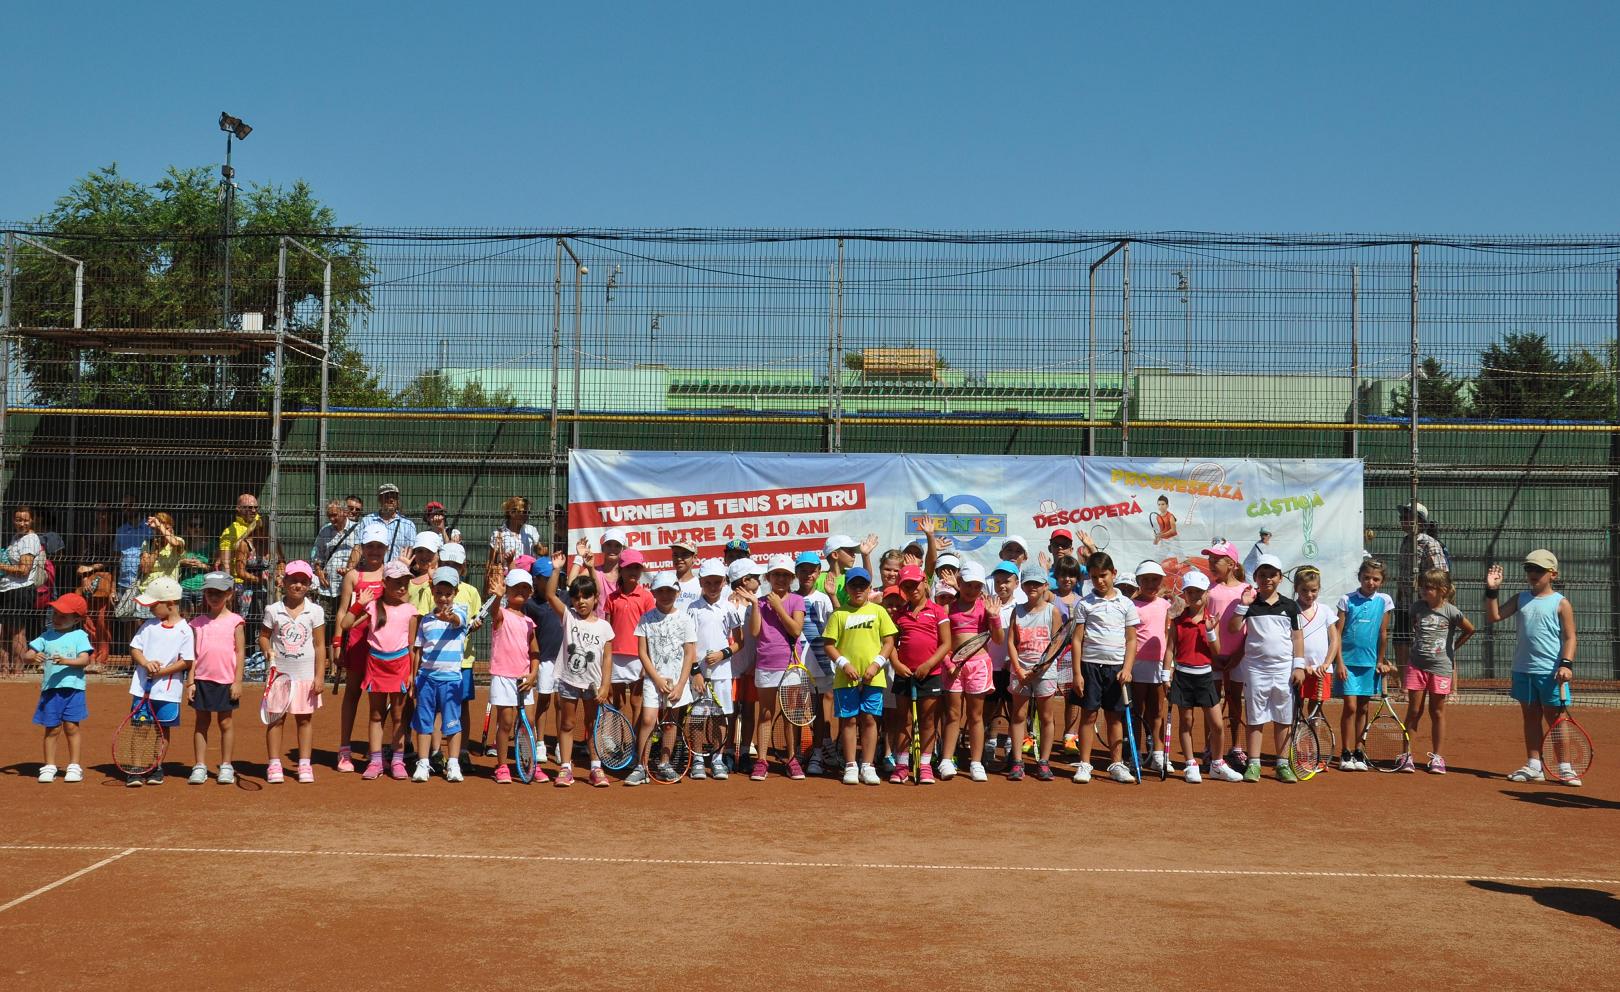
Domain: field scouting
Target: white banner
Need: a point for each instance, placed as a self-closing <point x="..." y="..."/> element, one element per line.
<point x="1166" y="509"/>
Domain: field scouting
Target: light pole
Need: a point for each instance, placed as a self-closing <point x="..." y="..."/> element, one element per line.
<point x="1184" y="287"/>
<point x="234" y="127"/>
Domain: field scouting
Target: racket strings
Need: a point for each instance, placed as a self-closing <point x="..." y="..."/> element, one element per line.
<point x="797" y="697"/>
<point x="138" y="747"/>
<point x="1567" y="750"/>
<point x="1386" y="742"/>
<point x="523" y="746"/>
<point x="615" y="739"/>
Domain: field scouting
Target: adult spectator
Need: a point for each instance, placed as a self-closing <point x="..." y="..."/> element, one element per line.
<point x="1251" y="561"/>
<point x="20" y="568"/>
<point x="129" y="542"/>
<point x="162" y="556"/>
<point x="399" y="528"/>
<point x="96" y="580"/>
<point x="515" y="537"/>
<point x="247" y="517"/>
<point x="251" y="568"/>
<point x="194" y="565"/>
<point x="433" y="516"/>
<point x="333" y="542"/>
<point x="1422" y="538"/>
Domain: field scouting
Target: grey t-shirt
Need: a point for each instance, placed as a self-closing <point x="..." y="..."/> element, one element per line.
<point x="1434" y="636"/>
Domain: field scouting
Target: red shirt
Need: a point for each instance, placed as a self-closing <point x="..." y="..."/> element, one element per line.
<point x="919" y="633"/>
<point x="1192" y="645"/>
<point x="624" y="611"/>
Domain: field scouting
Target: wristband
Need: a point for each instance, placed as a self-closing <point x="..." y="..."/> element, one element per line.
<point x="1566" y="663"/>
<point x="1492" y="593"/>
<point x="696" y="668"/>
<point x="1241" y="610"/>
<point x="725" y="652"/>
<point x="1299" y="663"/>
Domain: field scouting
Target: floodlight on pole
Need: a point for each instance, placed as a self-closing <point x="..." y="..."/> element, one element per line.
<point x="239" y="129"/>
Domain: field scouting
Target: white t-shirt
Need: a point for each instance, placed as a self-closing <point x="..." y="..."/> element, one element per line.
<point x="713" y="624"/>
<point x="998" y="652"/>
<point x="818" y="609"/>
<point x="743" y="661"/>
<point x="516" y="542"/>
<point x="1105" y="621"/>
<point x="1316" y="633"/>
<point x="585" y="644"/>
<point x="292" y="639"/>
<point x="16" y="551"/>
<point x="691" y="592"/>
<point x="162" y="644"/>
<point x="667" y="636"/>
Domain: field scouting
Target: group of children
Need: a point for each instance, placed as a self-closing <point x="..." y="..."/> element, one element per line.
<point x="874" y="637"/>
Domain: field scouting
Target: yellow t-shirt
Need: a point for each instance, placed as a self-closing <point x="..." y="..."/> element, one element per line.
<point x="232" y="535"/>
<point x="858" y="635"/>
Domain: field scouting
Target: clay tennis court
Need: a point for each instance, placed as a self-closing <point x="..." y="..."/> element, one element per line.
<point x="1358" y="880"/>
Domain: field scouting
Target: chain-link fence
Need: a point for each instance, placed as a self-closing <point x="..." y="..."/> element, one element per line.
<point x="463" y="365"/>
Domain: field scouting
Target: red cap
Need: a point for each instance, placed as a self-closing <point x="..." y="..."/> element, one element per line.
<point x="891" y="591"/>
<point x="70" y="603"/>
<point x="435" y="505"/>
<point x="911" y="573"/>
<point x="1064" y="532"/>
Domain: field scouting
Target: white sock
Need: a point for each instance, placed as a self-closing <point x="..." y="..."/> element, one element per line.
<point x="1534" y="764"/>
<point x="927" y="758"/>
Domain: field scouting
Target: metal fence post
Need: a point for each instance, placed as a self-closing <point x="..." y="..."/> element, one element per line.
<point x="273" y="511"/>
<point x="837" y="406"/>
<point x="1412" y="423"/>
<point x="326" y="388"/>
<point x="5" y="351"/>
<point x="1125" y="359"/>
<point x="1614" y="489"/>
<point x="1355" y="360"/>
<point x="556" y="375"/>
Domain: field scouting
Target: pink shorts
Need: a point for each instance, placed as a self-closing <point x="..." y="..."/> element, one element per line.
<point x="1417" y="680"/>
<point x="306" y="697"/>
<point x="972" y="678"/>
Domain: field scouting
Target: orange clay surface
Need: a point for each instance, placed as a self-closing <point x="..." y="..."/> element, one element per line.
<point x="1348" y="881"/>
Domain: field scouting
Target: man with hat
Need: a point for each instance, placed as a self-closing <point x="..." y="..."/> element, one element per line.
<point x="400" y="531"/>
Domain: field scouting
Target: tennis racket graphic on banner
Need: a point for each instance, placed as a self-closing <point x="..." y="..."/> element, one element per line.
<point x="523" y="743"/>
<point x="1207" y="473"/>
<point x="277" y="698"/>
<point x="613" y="738"/>
<point x="1566" y="750"/>
<point x="1099" y="536"/>
<point x="139" y="743"/>
<point x="1385" y="741"/>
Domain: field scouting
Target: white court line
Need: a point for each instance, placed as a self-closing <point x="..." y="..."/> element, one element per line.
<point x="126" y="852"/>
<point x="836" y="865"/>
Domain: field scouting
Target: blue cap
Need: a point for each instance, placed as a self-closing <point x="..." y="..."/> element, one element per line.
<point x="541" y="569"/>
<point x="1005" y="566"/>
<point x="737" y="545"/>
<point x="808" y="558"/>
<point x="857" y="573"/>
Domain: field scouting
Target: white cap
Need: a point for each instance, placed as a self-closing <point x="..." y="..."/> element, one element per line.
<point x="1265" y="560"/>
<point x="972" y="571"/>
<point x="427" y="540"/>
<point x="373" y="533"/>
<point x="1126" y="579"/>
<point x="1149" y="567"/>
<point x="948" y="560"/>
<point x="712" y="566"/>
<point x="453" y="554"/>
<point x="1195" y="579"/>
<point x="616" y="534"/>
<point x="758" y="567"/>
<point x="1015" y="539"/>
<point x="665" y="580"/>
<point x="740" y="569"/>
<point x="780" y="563"/>
<point x="519" y="577"/>
<point x="160" y="590"/>
<point x="838" y="542"/>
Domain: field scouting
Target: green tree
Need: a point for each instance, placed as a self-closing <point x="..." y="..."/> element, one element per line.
<point x="432" y="391"/>
<point x="152" y="260"/>
<point x="1523" y="378"/>
<point x="1440" y="394"/>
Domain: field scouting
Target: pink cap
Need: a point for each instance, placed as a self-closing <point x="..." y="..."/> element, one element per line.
<point x="911" y="573"/>
<point x="299" y="568"/>
<point x="396" y="569"/>
<point x="630" y="556"/>
<point x="523" y="562"/>
<point x="1225" y="548"/>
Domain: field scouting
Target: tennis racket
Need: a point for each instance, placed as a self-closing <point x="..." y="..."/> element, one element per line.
<point x="139" y="744"/>
<point x="613" y="738"/>
<point x="705" y="726"/>
<point x="1385" y="741"/>
<point x="1304" y="748"/>
<point x="1567" y="744"/>
<point x="277" y="698"/>
<point x="1054" y="650"/>
<point x="916" y="734"/>
<point x="668" y="756"/>
<point x="1164" y="766"/>
<point x="788" y="740"/>
<point x="1130" y="733"/>
<point x="968" y="648"/>
<point x="797" y="694"/>
<point x="1000" y="758"/>
<point x="483" y="737"/>
<point x="1327" y="742"/>
<point x="523" y="744"/>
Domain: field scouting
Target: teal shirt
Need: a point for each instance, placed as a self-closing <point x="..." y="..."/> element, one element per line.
<point x="54" y="644"/>
<point x="1541" y="635"/>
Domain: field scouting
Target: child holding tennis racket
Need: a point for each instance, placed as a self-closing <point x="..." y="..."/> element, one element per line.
<point x="1364" y="621"/>
<point x="63" y="651"/>
<point x="582" y="683"/>
<point x="389" y="622"/>
<point x="968" y="680"/>
<point x="514" y="663"/>
<point x="292" y="636"/>
<point x="1193" y="687"/>
<point x="1105" y="644"/>
<point x="860" y="641"/>
<point x="923" y="642"/>
<point x="1225" y="590"/>
<point x="781" y="615"/>
<point x="625" y="603"/>
<point x="1543" y="654"/>
<point x="818" y="609"/>
<point x="441" y="638"/>
<point x="1036" y="623"/>
<point x="716" y="625"/>
<point x="1273" y="664"/>
<point x="161" y="652"/>
<point x="364" y="579"/>
<point x="214" y="686"/>
<point x="1150" y="674"/>
<point x="666" y="642"/>
<point x="1439" y="630"/>
<point x="1322" y="646"/>
<point x="999" y="599"/>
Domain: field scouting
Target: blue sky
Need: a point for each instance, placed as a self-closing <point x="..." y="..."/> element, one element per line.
<point x="1439" y="117"/>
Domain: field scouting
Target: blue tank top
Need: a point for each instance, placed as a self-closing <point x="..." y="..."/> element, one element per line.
<point x="1541" y="635"/>
<point x="1363" y="627"/>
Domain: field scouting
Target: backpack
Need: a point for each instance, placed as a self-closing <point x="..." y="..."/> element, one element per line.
<point x="45" y="591"/>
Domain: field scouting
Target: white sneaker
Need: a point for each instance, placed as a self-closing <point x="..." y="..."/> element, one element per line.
<point x="540" y="752"/>
<point x="717" y="768"/>
<point x="48" y="773"/>
<point x="74" y="774"/>
<point x="1157" y="761"/>
<point x="452" y="771"/>
<point x="1191" y="774"/>
<point x="422" y="770"/>
<point x="976" y="772"/>
<point x="199" y="775"/>
<point x="852" y="775"/>
<point x="1082" y="772"/>
<point x="1528" y="774"/>
<point x="1120" y="773"/>
<point x="869" y="775"/>
<point x="698" y="772"/>
<point x="227" y="775"/>
<point x="1573" y="781"/>
<point x="1224" y="772"/>
<point x="947" y="769"/>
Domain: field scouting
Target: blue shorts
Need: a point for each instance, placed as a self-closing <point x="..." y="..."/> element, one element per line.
<point x="1362" y="682"/>
<point x="853" y="700"/>
<point x="437" y="700"/>
<point x="1533" y="688"/>
<point x="469" y="692"/>
<point x="168" y="714"/>
<point x="59" y="706"/>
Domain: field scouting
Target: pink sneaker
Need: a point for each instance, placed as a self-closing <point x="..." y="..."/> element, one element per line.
<point x="901" y="775"/>
<point x="273" y="773"/>
<point x="396" y="768"/>
<point x="345" y="760"/>
<point x="599" y="779"/>
<point x="503" y="775"/>
<point x="925" y="774"/>
<point x="795" y="772"/>
<point x="564" y="778"/>
<point x="306" y="774"/>
<point x="1405" y="764"/>
<point x="373" y="767"/>
<point x="540" y="776"/>
<point x="760" y="772"/>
